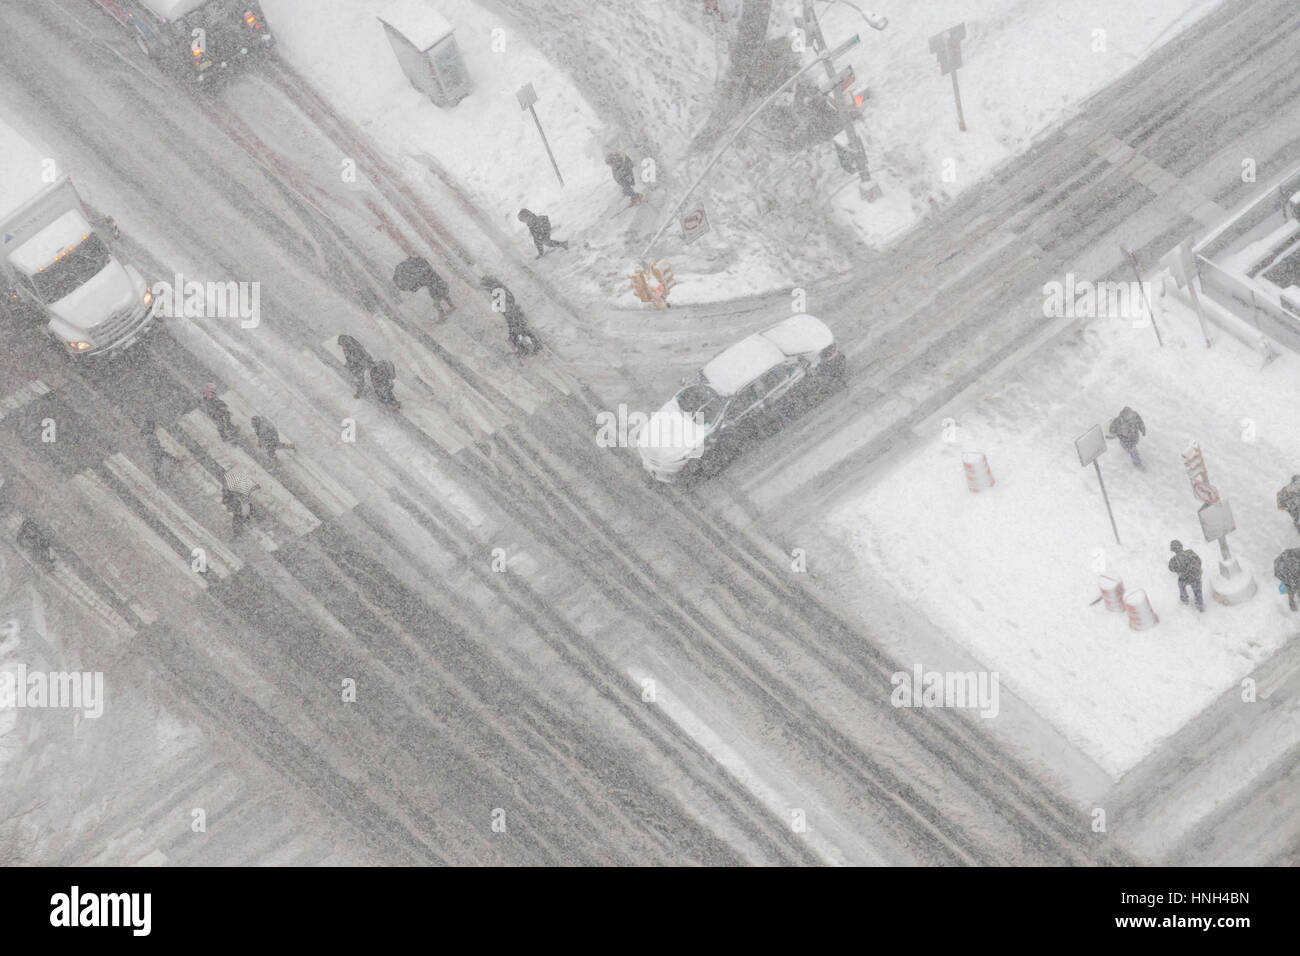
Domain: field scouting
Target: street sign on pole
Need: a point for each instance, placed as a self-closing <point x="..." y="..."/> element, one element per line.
<point x="1205" y="492"/>
<point x="695" y="223"/>
<point x="1091" y="445"/>
<point x="947" y="47"/>
<point x="527" y="100"/>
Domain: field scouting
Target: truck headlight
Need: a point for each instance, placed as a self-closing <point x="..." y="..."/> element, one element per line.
<point x="80" y="346"/>
<point x="148" y="296"/>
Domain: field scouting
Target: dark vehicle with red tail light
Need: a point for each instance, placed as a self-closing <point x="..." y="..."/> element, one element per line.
<point x="201" y="41"/>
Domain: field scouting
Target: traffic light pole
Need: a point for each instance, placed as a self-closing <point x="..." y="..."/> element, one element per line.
<point x="813" y="30"/>
<point x="842" y="48"/>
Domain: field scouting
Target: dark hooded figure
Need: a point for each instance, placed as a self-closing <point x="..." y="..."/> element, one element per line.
<point x="620" y="164"/>
<point x="1128" y="427"/>
<point x="1186" y="563"/>
<point x="268" y="437"/>
<point x="1286" y="568"/>
<point x="1288" y="500"/>
<point x="520" y="335"/>
<point x="157" y="454"/>
<point x="539" y="227"/>
<point x="382" y="376"/>
<point x="219" y="412"/>
<point x="357" y="360"/>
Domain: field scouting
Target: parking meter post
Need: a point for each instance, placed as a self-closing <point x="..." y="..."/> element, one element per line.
<point x="956" y="95"/>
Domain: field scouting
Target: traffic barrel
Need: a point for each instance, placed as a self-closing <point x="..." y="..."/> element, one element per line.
<point x="1112" y="592"/>
<point x="1140" y="614"/>
<point x="978" y="475"/>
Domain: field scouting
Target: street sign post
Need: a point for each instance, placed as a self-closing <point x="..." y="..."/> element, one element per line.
<point x="527" y="101"/>
<point x="1182" y="266"/>
<point x="695" y="223"/>
<point x="1091" y="445"/>
<point x="947" y="47"/>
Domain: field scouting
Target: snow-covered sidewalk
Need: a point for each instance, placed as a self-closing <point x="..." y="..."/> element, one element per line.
<point x="1009" y="573"/>
<point x="643" y="80"/>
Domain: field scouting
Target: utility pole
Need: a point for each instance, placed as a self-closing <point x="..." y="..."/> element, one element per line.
<point x="812" y="29"/>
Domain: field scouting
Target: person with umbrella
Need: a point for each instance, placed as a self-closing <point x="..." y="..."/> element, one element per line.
<point x="237" y="488"/>
<point x="417" y="273"/>
<point x="357" y="360"/>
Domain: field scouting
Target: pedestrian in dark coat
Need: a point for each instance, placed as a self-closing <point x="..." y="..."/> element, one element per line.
<point x="620" y="164"/>
<point x="268" y="437"/>
<point x="1286" y="568"/>
<point x="1288" y="500"/>
<point x="1128" y="427"/>
<point x="382" y="376"/>
<point x="1186" y="563"/>
<point x="36" y="540"/>
<point x="357" y="360"/>
<point x="503" y="301"/>
<point x="539" y="227"/>
<point x="157" y="454"/>
<point x="219" y="412"/>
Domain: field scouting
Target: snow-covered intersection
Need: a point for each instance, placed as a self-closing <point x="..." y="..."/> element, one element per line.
<point x="466" y="630"/>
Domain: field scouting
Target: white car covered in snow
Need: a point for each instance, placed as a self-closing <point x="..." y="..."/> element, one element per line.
<point x="751" y="388"/>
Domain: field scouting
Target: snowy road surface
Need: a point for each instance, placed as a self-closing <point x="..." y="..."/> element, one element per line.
<point x="446" y="640"/>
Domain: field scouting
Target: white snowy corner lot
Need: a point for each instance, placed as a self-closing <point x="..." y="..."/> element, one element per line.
<point x="486" y="142"/>
<point x="653" y="69"/>
<point x="1009" y="573"/>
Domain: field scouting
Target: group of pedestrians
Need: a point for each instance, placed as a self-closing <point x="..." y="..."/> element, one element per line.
<point x="1185" y="563"/>
<point x="381" y="374"/>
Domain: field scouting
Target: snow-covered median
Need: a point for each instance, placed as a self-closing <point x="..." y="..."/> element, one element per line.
<point x="1009" y="573"/>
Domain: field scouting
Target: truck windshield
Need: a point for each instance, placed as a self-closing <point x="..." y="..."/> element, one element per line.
<point x="71" y="272"/>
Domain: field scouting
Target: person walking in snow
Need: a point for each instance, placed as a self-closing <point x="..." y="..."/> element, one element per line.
<point x="1128" y="427"/>
<point x="268" y="437"/>
<point x="219" y="412"/>
<point x="1288" y="500"/>
<point x="1186" y="563"/>
<point x="539" y="227"/>
<point x="37" y="540"/>
<point x="357" y="360"/>
<point x="382" y="376"/>
<point x="157" y="454"/>
<point x="620" y="164"/>
<point x="1286" y="568"/>
<point x="518" y="333"/>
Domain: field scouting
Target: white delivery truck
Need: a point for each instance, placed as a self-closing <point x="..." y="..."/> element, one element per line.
<point x="54" y="266"/>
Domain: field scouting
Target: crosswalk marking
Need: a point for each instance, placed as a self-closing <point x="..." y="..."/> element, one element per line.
<point x="221" y="561"/>
<point x="25" y="395"/>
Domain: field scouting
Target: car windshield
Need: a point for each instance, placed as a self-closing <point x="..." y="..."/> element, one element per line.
<point x="700" y="402"/>
<point x="72" y="271"/>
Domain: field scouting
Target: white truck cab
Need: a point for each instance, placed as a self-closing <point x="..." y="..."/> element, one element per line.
<point x="55" y="265"/>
